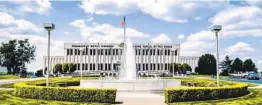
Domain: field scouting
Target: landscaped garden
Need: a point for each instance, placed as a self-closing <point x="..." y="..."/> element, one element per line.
<point x="35" y="92"/>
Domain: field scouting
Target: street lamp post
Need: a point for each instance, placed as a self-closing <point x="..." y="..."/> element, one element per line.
<point x="81" y="61"/>
<point x="216" y="29"/>
<point x="173" y="64"/>
<point x="49" y="27"/>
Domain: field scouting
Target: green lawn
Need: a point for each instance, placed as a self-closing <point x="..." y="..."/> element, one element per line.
<point x="8" y="76"/>
<point x="254" y="98"/>
<point x="7" y="98"/>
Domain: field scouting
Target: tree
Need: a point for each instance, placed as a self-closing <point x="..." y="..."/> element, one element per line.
<point x="58" y="68"/>
<point x="248" y="66"/>
<point x="207" y="64"/>
<point x="15" y="54"/>
<point x="65" y="67"/>
<point x="226" y="66"/>
<point x="72" y="67"/>
<point x="237" y="65"/>
<point x="186" y="67"/>
<point x="173" y="66"/>
<point x="39" y="73"/>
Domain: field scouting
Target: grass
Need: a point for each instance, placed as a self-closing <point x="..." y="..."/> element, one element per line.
<point x="253" y="98"/>
<point x="7" y="98"/>
<point x="9" y="85"/>
<point x="8" y="76"/>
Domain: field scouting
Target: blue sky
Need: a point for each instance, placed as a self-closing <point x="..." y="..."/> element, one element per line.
<point x="151" y="21"/>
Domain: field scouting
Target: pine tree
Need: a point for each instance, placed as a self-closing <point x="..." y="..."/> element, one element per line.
<point x="226" y="66"/>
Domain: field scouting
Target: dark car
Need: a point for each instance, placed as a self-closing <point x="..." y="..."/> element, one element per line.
<point x="253" y="76"/>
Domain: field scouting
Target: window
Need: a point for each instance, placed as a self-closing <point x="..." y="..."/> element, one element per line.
<point x="158" y="52"/>
<point x="75" y="51"/>
<point x="105" y="66"/>
<point x="151" y="51"/>
<point x="166" y="66"/>
<point x="146" y="66"/>
<point x="143" y="66"/>
<point x="158" y="66"/>
<point x="176" y="52"/>
<point x="67" y="51"/>
<point x="94" y="67"/>
<point x="154" y="66"/>
<point x="86" y="66"/>
<point x="113" y="51"/>
<point x="102" y="51"/>
<point x="101" y="66"/>
<point x="168" y="52"/>
<point x="105" y="51"/>
<point x="109" y="51"/>
<point x="91" y="67"/>
<point x="154" y="52"/>
<point x="116" y="51"/>
<point x="139" y="67"/>
<point x="165" y="52"/>
<point x="94" y="52"/>
<point x="78" y="51"/>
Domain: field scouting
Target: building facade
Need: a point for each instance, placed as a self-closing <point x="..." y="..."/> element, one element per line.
<point x="106" y="57"/>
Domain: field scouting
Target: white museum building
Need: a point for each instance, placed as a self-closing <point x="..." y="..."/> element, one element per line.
<point x="97" y="58"/>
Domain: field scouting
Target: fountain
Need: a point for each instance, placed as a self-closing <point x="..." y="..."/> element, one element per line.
<point x="127" y="78"/>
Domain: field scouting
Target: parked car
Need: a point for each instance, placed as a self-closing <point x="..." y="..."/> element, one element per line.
<point x="253" y="76"/>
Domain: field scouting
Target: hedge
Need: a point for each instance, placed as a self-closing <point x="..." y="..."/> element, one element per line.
<point x="205" y="93"/>
<point x="65" y="94"/>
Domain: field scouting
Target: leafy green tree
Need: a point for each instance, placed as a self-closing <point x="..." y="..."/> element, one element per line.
<point x="65" y="67"/>
<point x="15" y="54"/>
<point x="226" y="66"/>
<point x="186" y="67"/>
<point x="72" y="67"/>
<point x="248" y="66"/>
<point x="173" y="66"/>
<point x="237" y="65"/>
<point x="180" y="68"/>
<point x="207" y="64"/>
<point x="58" y="68"/>
<point x="39" y="73"/>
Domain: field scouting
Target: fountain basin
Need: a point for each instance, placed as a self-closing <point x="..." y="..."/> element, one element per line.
<point x="132" y="85"/>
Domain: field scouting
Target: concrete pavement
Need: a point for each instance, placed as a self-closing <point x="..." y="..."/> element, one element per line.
<point x="5" y="81"/>
<point x="135" y="98"/>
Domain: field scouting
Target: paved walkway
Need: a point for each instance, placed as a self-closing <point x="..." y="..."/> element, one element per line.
<point x="133" y="98"/>
<point x="259" y="86"/>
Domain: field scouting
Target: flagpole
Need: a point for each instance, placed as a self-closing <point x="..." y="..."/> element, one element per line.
<point x="124" y="30"/>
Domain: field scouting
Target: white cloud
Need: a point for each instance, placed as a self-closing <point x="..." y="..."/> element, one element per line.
<point x="168" y="10"/>
<point x="259" y="62"/>
<point x="201" y="36"/>
<point x="105" y="32"/>
<point x="239" y="48"/>
<point x="12" y="25"/>
<point x="161" y="39"/>
<point x="237" y="23"/>
<point x="39" y="6"/>
<point x="181" y="36"/>
<point x="196" y="48"/>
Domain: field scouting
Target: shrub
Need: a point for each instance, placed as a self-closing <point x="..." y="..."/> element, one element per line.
<point x="72" y="67"/>
<point x="65" y="94"/>
<point x="205" y="93"/>
<point x="65" y="67"/>
<point x="39" y="73"/>
<point x="58" y="68"/>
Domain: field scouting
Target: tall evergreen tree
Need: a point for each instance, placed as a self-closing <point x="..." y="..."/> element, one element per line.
<point x="237" y="65"/>
<point x="248" y="66"/>
<point x="226" y="66"/>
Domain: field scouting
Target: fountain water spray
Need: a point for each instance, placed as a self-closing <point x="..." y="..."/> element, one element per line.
<point x="128" y="65"/>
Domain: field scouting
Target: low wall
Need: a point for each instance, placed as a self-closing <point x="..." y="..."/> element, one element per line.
<point x="131" y="85"/>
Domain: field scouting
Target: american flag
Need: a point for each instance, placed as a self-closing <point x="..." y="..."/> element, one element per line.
<point x="123" y="22"/>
